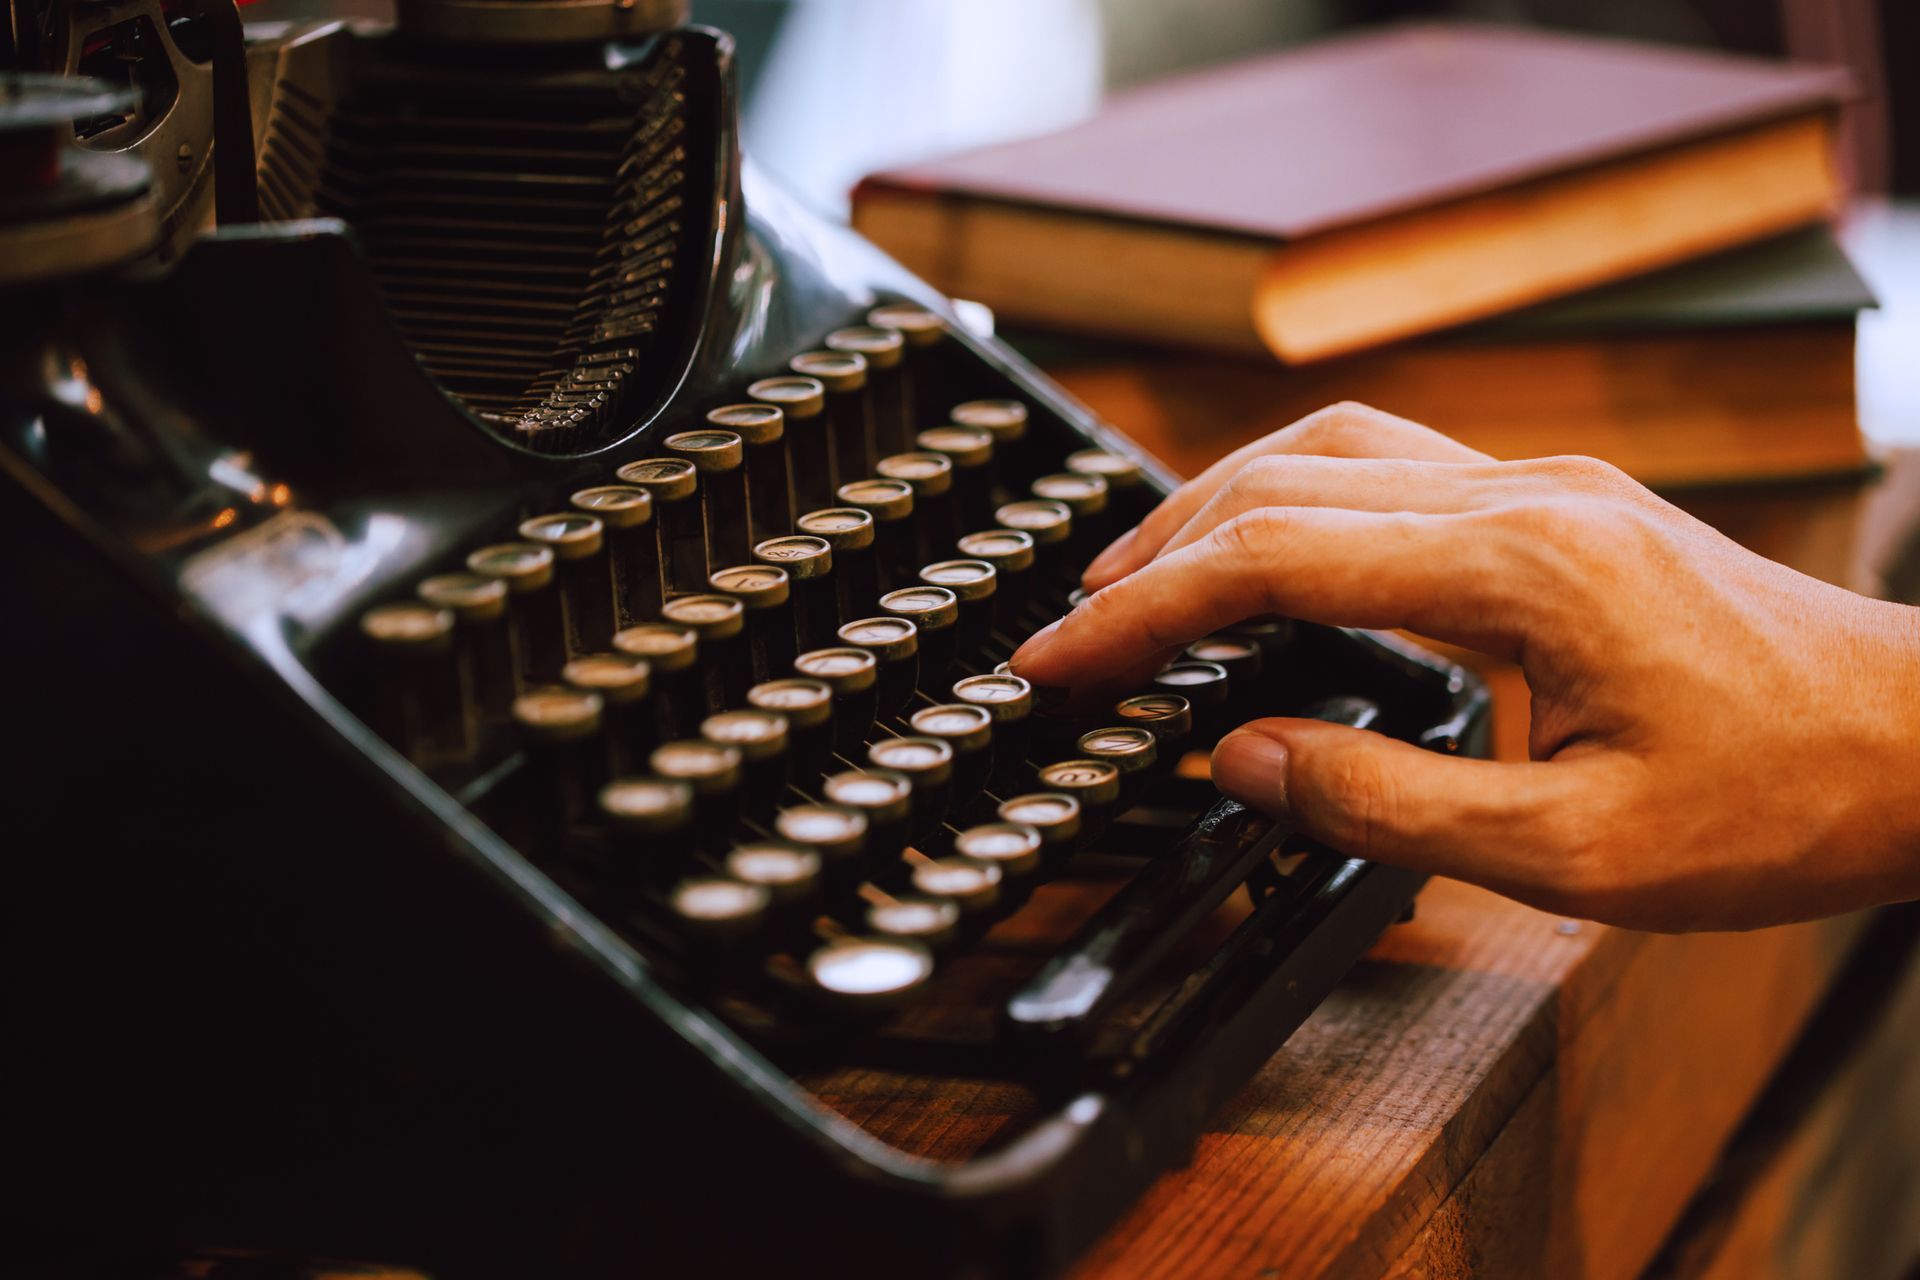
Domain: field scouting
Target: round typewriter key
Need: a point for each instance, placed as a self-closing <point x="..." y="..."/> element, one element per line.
<point x="927" y="764"/>
<point x="789" y="873"/>
<point x="674" y="485"/>
<point x="761" y="737"/>
<point x="1006" y="421"/>
<point x="712" y="769"/>
<point x="672" y="655"/>
<point x="1128" y="748"/>
<point x="894" y="643"/>
<point x="1204" y="686"/>
<point x="762" y="429"/>
<point x="1094" y="784"/>
<point x="856" y="572"/>
<point x="533" y="605"/>
<point x="849" y="415"/>
<point x="886" y="800"/>
<point x="935" y="612"/>
<point x="719" y="911"/>
<point x="919" y="326"/>
<point x="970" y="450"/>
<point x="420" y="699"/>
<point x="936" y="518"/>
<point x="1011" y="846"/>
<point x="853" y="675"/>
<point x="650" y="822"/>
<point x="766" y="596"/>
<point x="974" y="584"/>
<point x="1170" y="718"/>
<point x="809" y="445"/>
<point x="1241" y="656"/>
<point x="1010" y="552"/>
<point x="808" y="563"/>
<point x="566" y="758"/>
<point x="836" y="833"/>
<point x="1121" y="473"/>
<point x="932" y="922"/>
<point x="726" y="662"/>
<point x="887" y="386"/>
<point x="1054" y="815"/>
<point x="972" y="886"/>
<point x="721" y="459"/>
<point x="1086" y="497"/>
<point x="1009" y="701"/>
<point x="624" y="684"/>
<point x="633" y="547"/>
<point x="868" y="977"/>
<point x="482" y="639"/>
<point x="1050" y="525"/>
<point x="1271" y="632"/>
<point x="807" y="706"/>
<point x="967" y="729"/>
<point x="890" y="504"/>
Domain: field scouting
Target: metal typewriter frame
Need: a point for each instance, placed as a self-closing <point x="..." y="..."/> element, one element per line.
<point x="1027" y="1207"/>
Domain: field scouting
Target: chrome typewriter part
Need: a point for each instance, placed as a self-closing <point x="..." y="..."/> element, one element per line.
<point x="523" y="734"/>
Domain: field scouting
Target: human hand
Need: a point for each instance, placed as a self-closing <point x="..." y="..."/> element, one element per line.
<point x="1717" y="741"/>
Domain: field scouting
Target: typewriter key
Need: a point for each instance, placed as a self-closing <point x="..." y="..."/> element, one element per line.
<point x="1169" y="716"/>
<point x="1094" y="784"/>
<point x="808" y="562"/>
<point x="565" y="755"/>
<point x="885" y="799"/>
<point x="725" y="661"/>
<point x="578" y="543"/>
<point x="919" y="326"/>
<point x="1240" y="656"/>
<point x="974" y="584"/>
<point x="868" y="977"/>
<point x="970" y="451"/>
<point x="762" y="429"/>
<point x="420" y="702"/>
<point x="936" y="520"/>
<point x="837" y="834"/>
<point x="533" y="605"/>
<point x="887" y="387"/>
<point x="672" y="653"/>
<point x="650" y="825"/>
<point x="849" y="416"/>
<point x="1129" y="749"/>
<point x="1122" y="474"/>
<point x="1009" y="701"/>
<point x="968" y="730"/>
<point x="890" y="505"/>
<point x="1086" y="497"/>
<point x="623" y="683"/>
<point x="853" y="675"/>
<point x="721" y="459"/>
<point x="633" y="547"/>
<point x="1204" y="686"/>
<point x="761" y="739"/>
<point x="719" y="912"/>
<point x="712" y="769"/>
<point x="922" y="330"/>
<point x="973" y="887"/>
<point x="894" y="643"/>
<point x="482" y="639"/>
<point x="935" y="613"/>
<point x="809" y="448"/>
<point x="789" y="873"/>
<point x="1271" y="632"/>
<point x="674" y="485"/>
<point x="1010" y="552"/>
<point x="807" y="707"/>
<point x="927" y="764"/>
<point x="1050" y="525"/>
<point x="765" y="596"/>
<point x="856" y="572"/>
<point x="1054" y="815"/>
<point x="931" y="922"/>
<point x="1011" y="846"/>
<point x="1006" y="421"/>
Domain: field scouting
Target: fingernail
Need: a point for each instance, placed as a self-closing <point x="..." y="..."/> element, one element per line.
<point x="1109" y="562"/>
<point x="1252" y="768"/>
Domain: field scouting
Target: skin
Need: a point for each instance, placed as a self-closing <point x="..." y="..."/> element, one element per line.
<point x="1718" y="742"/>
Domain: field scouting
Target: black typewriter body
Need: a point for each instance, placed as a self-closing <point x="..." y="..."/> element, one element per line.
<point x="281" y="986"/>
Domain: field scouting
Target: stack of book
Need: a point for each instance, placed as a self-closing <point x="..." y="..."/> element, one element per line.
<point x="1540" y="243"/>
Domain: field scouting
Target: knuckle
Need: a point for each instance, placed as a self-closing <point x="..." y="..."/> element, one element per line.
<point x="1360" y="802"/>
<point x="1339" y="429"/>
<point x="1255" y="537"/>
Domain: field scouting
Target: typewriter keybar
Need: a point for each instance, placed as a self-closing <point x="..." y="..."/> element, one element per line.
<point x="712" y="770"/>
<point x="934" y="923"/>
<point x="633" y="548"/>
<point x="889" y="506"/>
<point x="974" y="584"/>
<point x="1008" y="700"/>
<point x="791" y="875"/>
<point x="837" y="834"/>
<point x="1170" y="718"/>
<point x="578" y="544"/>
<point x="762" y="430"/>
<point x="1050" y="525"/>
<point x="1093" y="784"/>
<point x="1011" y="847"/>
<point x="1130" y="749"/>
<point x="1054" y="816"/>
<point x="625" y="686"/>
<point x="720" y="914"/>
<point x="720" y="458"/>
<point x="885" y="800"/>
<point x="674" y="485"/>
<point x="566" y="757"/>
<point x="807" y="706"/>
<point x="894" y="643"/>
<point x="868" y="977"/>
<point x="1205" y="686"/>
<point x="968" y="732"/>
<point x="935" y="614"/>
<point x="421" y="704"/>
<point x="533" y="606"/>
<point x="852" y="673"/>
<point x="935" y="518"/>
<point x="849" y="415"/>
<point x="726" y="663"/>
<point x="1006" y="422"/>
<point x="891" y="398"/>
<point x="927" y="765"/>
<point x="803" y="401"/>
<point x="1010" y="552"/>
<point x="650" y="826"/>
<point x="808" y="563"/>
<point x="924" y="333"/>
<point x="849" y="531"/>
<point x="1241" y="658"/>
<point x="969" y="452"/>
<point x="672" y="655"/>
<point x="1093" y="517"/>
<point x="483" y="640"/>
<point x="760" y="737"/>
<point x="972" y="887"/>
<point x="765" y="596"/>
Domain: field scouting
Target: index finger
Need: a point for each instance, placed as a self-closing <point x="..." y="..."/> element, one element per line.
<point x="1338" y="431"/>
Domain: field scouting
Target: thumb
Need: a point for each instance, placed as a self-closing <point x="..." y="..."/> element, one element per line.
<point x="1374" y="797"/>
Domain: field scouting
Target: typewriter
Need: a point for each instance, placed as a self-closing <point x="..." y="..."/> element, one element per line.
<point x="507" y="638"/>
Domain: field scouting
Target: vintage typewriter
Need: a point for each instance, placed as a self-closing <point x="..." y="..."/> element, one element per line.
<point x="507" y="635"/>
